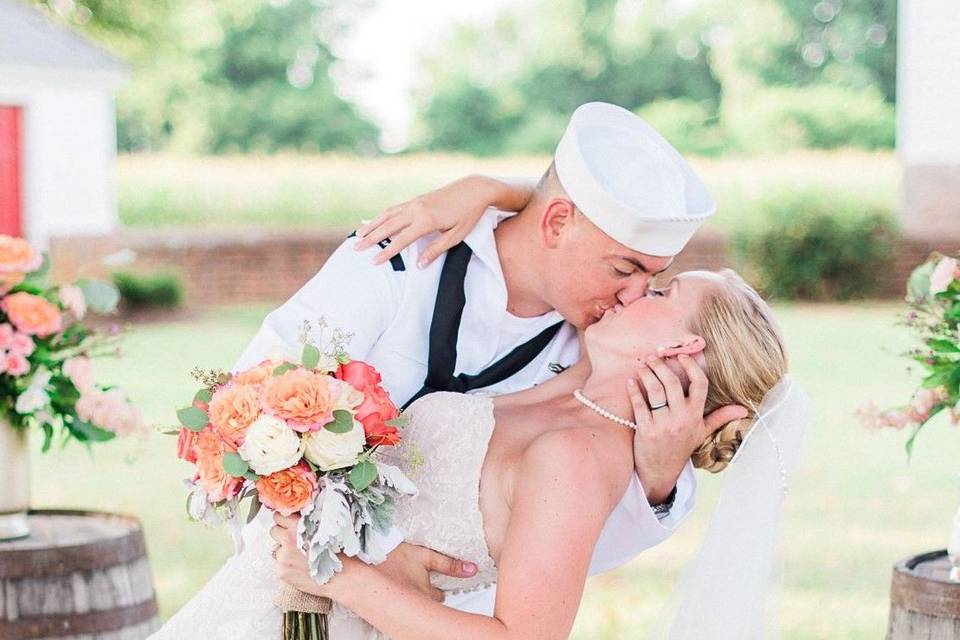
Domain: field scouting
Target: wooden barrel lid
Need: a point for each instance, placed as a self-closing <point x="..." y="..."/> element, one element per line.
<point x="921" y="584"/>
<point x="63" y="541"/>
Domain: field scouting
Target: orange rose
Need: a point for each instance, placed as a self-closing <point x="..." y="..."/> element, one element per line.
<point x="16" y="255"/>
<point x="303" y="398"/>
<point x="32" y="314"/>
<point x="257" y="374"/>
<point x="288" y="491"/>
<point x="377" y="407"/>
<point x="232" y="410"/>
<point x="186" y="445"/>
<point x="10" y="279"/>
<point x="209" y="450"/>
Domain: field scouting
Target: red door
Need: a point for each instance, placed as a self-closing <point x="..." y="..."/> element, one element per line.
<point x="11" y="204"/>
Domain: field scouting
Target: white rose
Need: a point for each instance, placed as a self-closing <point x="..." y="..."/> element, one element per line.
<point x="345" y="397"/>
<point x="73" y="299"/>
<point x="35" y="396"/>
<point x="270" y="445"/>
<point x="329" y="450"/>
<point x="942" y="275"/>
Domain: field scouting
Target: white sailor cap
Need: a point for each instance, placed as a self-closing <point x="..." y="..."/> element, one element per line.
<point x="629" y="181"/>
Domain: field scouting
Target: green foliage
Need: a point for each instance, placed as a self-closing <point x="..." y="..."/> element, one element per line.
<point x="815" y="245"/>
<point x="193" y="418"/>
<point x="821" y="117"/>
<point x="153" y="291"/>
<point x="690" y="126"/>
<point x="342" y="422"/>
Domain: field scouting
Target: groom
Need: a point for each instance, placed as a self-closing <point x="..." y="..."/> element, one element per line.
<point x="501" y="312"/>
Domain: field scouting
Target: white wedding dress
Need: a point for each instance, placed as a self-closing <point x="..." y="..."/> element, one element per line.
<point x="443" y="451"/>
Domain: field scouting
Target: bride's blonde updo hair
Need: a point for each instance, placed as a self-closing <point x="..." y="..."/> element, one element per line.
<point x="745" y="356"/>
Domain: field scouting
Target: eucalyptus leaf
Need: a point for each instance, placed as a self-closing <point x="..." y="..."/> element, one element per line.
<point x="251" y="476"/>
<point x="204" y="396"/>
<point x="310" y="357"/>
<point x="342" y="422"/>
<point x="918" y="285"/>
<point x="283" y="368"/>
<point x="234" y="465"/>
<point x="362" y="475"/>
<point x="193" y="418"/>
<point x="254" y="508"/>
<point x="399" y="422"/>
<point x="343" y="358"/>
<point x="47" y="437"/>
<point x="91" y="432"/>
<point x="101" y="296"/>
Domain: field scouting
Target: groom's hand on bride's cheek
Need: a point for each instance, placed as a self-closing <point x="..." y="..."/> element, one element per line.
<point x="411" y="565"/>
<point x="670" y="431"/>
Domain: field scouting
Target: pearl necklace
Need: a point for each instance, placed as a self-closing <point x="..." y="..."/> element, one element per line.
<point x="593" y="406"/>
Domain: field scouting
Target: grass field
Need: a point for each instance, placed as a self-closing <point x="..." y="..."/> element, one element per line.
<point x="302" y="190"/>
<point x="855" y="507"/>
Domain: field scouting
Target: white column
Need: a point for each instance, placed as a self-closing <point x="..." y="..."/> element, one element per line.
<point x="928" y="117"/>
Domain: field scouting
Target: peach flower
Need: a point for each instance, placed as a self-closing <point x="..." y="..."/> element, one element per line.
<point x="32" y="314"/>
<point x="288" y="491"/>
<point x="209" y="450"/>
<point x="6" y="335"/>
<point x="232" y="410"/>
<point x="257" y="374"/>
<point x="17" y="256"/>
<point x="303" y="398"/>
<point x="10" y="280"/>
<point x="79" y="370"/>
<point x="186" y="445"/>
<point x="22" y="344"/>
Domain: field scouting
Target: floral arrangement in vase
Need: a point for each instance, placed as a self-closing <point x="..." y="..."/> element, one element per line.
<point x="46" y="375"/>
<point x="933" y="296"/>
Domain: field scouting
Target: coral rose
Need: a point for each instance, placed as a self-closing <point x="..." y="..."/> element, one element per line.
<point x="232" y="410"/>
<point x="377" y="407"/>
<point x="303" y="398"/>
<point x="288" y="491"/>
<point x="17" y="256"/>
<point x="257" y="374"/>
<point x="32" y="314"/>
<point x="218" y="484"/>
<point x="10" y="280"/>
<point x="186" y="445"/>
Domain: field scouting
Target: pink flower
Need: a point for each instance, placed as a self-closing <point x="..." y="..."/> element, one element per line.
<point x="924" y="400"/>
<point x="943" y="274"/>
<point x="895" y="419"/>
<point x="110" y="410"/>
<point x="6" y="335"/>
<point x="16" y="364"/>
<point x="22" y="344"/>
<point x="80" y="372"/>
<point x="16" y="255"/>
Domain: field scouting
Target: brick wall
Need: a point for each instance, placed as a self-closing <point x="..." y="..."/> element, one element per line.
<point x="229" y="268"/>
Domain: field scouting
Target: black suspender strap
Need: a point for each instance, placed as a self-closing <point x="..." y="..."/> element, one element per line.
<point x="445" y="328"/>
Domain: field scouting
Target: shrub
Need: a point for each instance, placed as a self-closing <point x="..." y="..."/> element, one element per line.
<point x="151" y="291"/>
<point x="823" y="117"/>
<point x="690" y="125"/>
<point x="816" y="245"/>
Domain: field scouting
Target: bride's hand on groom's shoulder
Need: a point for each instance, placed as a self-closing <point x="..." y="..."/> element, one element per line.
<point x="669" y="433"/>
<point x="452" y="210"/>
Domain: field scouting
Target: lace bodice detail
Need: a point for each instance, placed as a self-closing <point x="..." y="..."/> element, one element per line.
<point x="442" y="451"/>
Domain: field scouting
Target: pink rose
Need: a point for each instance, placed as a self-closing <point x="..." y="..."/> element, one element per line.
<point x="923" y="403"/>
<point x="943" y="274"/>
<point x="32" y="314"/>
<point x="22" y="344"/>
<point x="6" y="335"/>
<point x="16" y="364"/>
<point x="72" y="299"/>
<point x="80" y="372"/>
<point x="895" y="419"/>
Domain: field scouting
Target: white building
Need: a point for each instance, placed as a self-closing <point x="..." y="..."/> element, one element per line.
<point x="57" y="128"/>
<point x="928" y="117"/>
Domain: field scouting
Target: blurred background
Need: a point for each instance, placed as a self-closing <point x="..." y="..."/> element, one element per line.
<point x="207" y="155"/>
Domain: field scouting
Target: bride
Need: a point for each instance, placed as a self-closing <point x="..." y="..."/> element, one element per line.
<point x="522" y="484"/>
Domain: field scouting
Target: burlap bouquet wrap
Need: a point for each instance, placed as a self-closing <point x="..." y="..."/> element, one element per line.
<point x="304" y="615"/>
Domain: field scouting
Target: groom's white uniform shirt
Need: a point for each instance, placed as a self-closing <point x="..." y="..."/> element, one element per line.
<point x="389" y="312"/>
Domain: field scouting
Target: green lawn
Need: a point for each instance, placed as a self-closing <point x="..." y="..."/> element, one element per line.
<point x="309" y="191"/>
<point x="856" y="507"/>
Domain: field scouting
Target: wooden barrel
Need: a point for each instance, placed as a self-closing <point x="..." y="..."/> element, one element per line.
<point x="79" y="575"/>
<point x="924" y="603"/>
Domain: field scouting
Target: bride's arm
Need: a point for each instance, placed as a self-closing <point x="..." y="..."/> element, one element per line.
<point x="453" y="210"/>
<point x="560" y="505"/>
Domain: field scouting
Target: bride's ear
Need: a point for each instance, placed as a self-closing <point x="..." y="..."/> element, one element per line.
<point x="691" y="346"/>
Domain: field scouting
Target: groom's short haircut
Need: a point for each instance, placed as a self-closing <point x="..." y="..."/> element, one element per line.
<point x="549" y="185"/>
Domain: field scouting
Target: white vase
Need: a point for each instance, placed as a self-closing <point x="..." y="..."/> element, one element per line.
<point x="14" y="482"/>
<point x="953" y="549"/>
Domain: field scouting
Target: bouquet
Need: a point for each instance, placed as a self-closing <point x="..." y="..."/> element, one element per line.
<point x="298" y="437"/>
<point x="933" y="295"/>
<point x="46" y="373"/>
